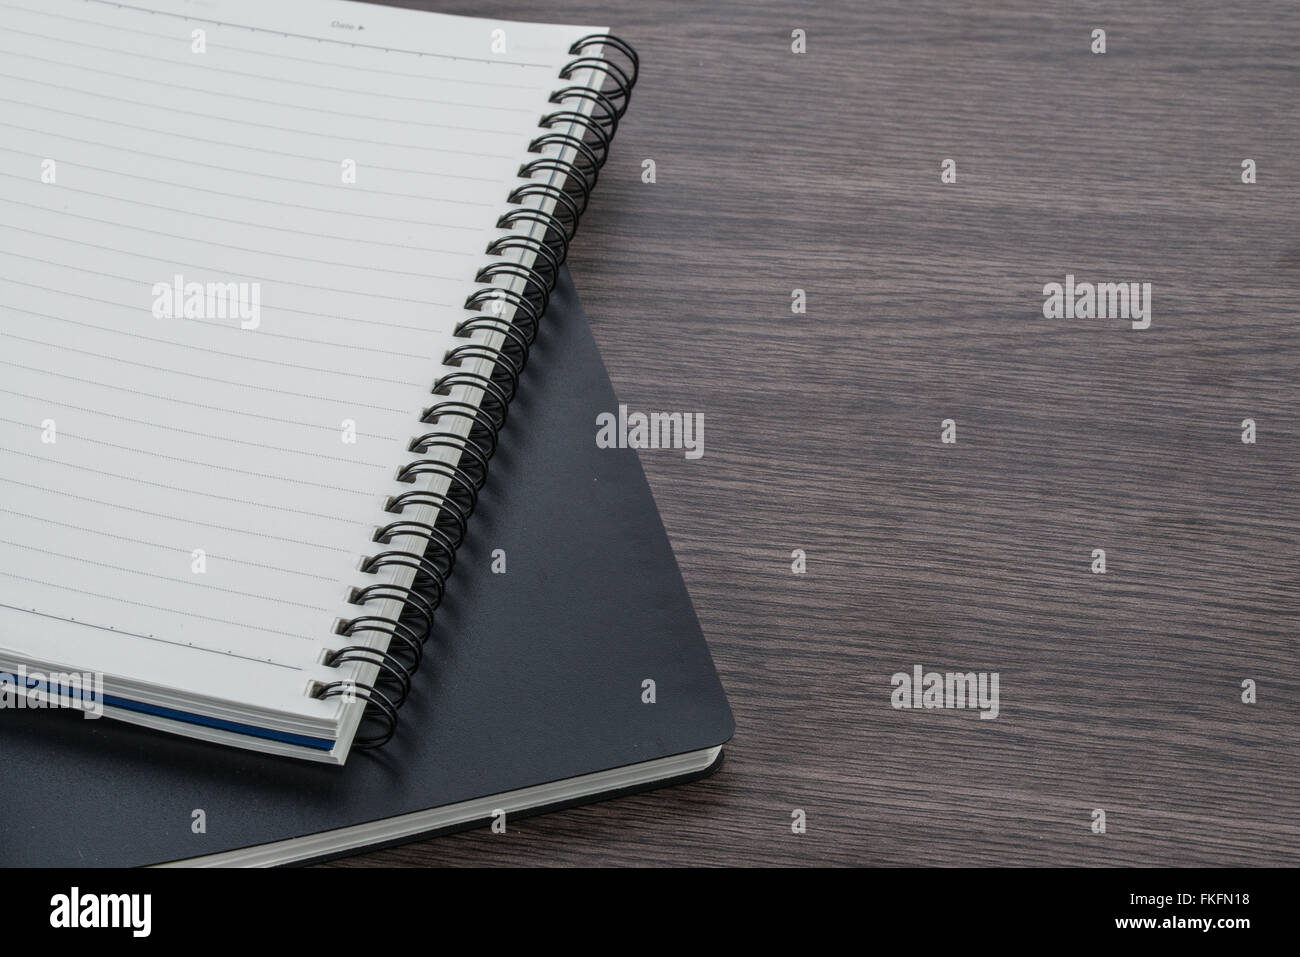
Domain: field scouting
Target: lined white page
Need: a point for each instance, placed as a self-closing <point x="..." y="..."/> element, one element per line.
<point x="129" y="442"/>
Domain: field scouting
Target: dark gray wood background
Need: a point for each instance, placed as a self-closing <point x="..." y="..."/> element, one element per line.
<point x="821" y="171"/>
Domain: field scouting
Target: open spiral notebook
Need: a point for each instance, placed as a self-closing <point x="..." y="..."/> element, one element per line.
<point x="269" y="273"/>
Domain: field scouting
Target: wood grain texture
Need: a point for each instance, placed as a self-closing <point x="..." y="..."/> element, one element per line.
<point x="1118" y="691"/>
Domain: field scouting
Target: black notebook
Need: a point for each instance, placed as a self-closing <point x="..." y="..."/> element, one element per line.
<point x="298" y="456"/>
<point x="269" y="277"/>
<point x="532" y="693"/>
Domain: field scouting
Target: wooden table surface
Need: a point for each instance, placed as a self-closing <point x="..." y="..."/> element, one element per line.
<point x="1119" y="691"/>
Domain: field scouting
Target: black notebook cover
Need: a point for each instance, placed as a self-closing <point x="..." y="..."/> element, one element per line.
<point x="530" y="676"/>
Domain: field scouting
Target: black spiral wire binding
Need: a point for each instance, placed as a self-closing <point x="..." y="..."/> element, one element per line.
<point x="588" y="137"/>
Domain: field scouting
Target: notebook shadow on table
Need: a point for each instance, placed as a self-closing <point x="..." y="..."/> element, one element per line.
<point x="530" y="676"/>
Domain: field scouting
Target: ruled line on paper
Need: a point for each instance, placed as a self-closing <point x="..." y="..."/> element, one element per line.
<point x="174" y="611"/>
<point x="132" y="634"/>
<point x="226" y="71"/>
<point x="369" y="143"/>
<point x="195" y="375"/>
<point x="332" y="160"/>
<point x="209" y="323"/>
<point x="63" y="188"/>
<point x="139" y="481"/>
<point x="388" y="380"/>
<point x="296" y="36"/>
<point x="311" y="313"/>
<point x="153" y="453"/>
<point x="352" y="190"/>
<point x="287" y="449"/>
<point x="154" y="181"/>
<point x="200" y="405"/>
<point x="152" y="513"/>
<point x="208" y="270"/>
<point x="441" y="127"/>
<point x="193" y="582"/>
<point x="206" y="242"/>
<point x="160" y="545"/>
